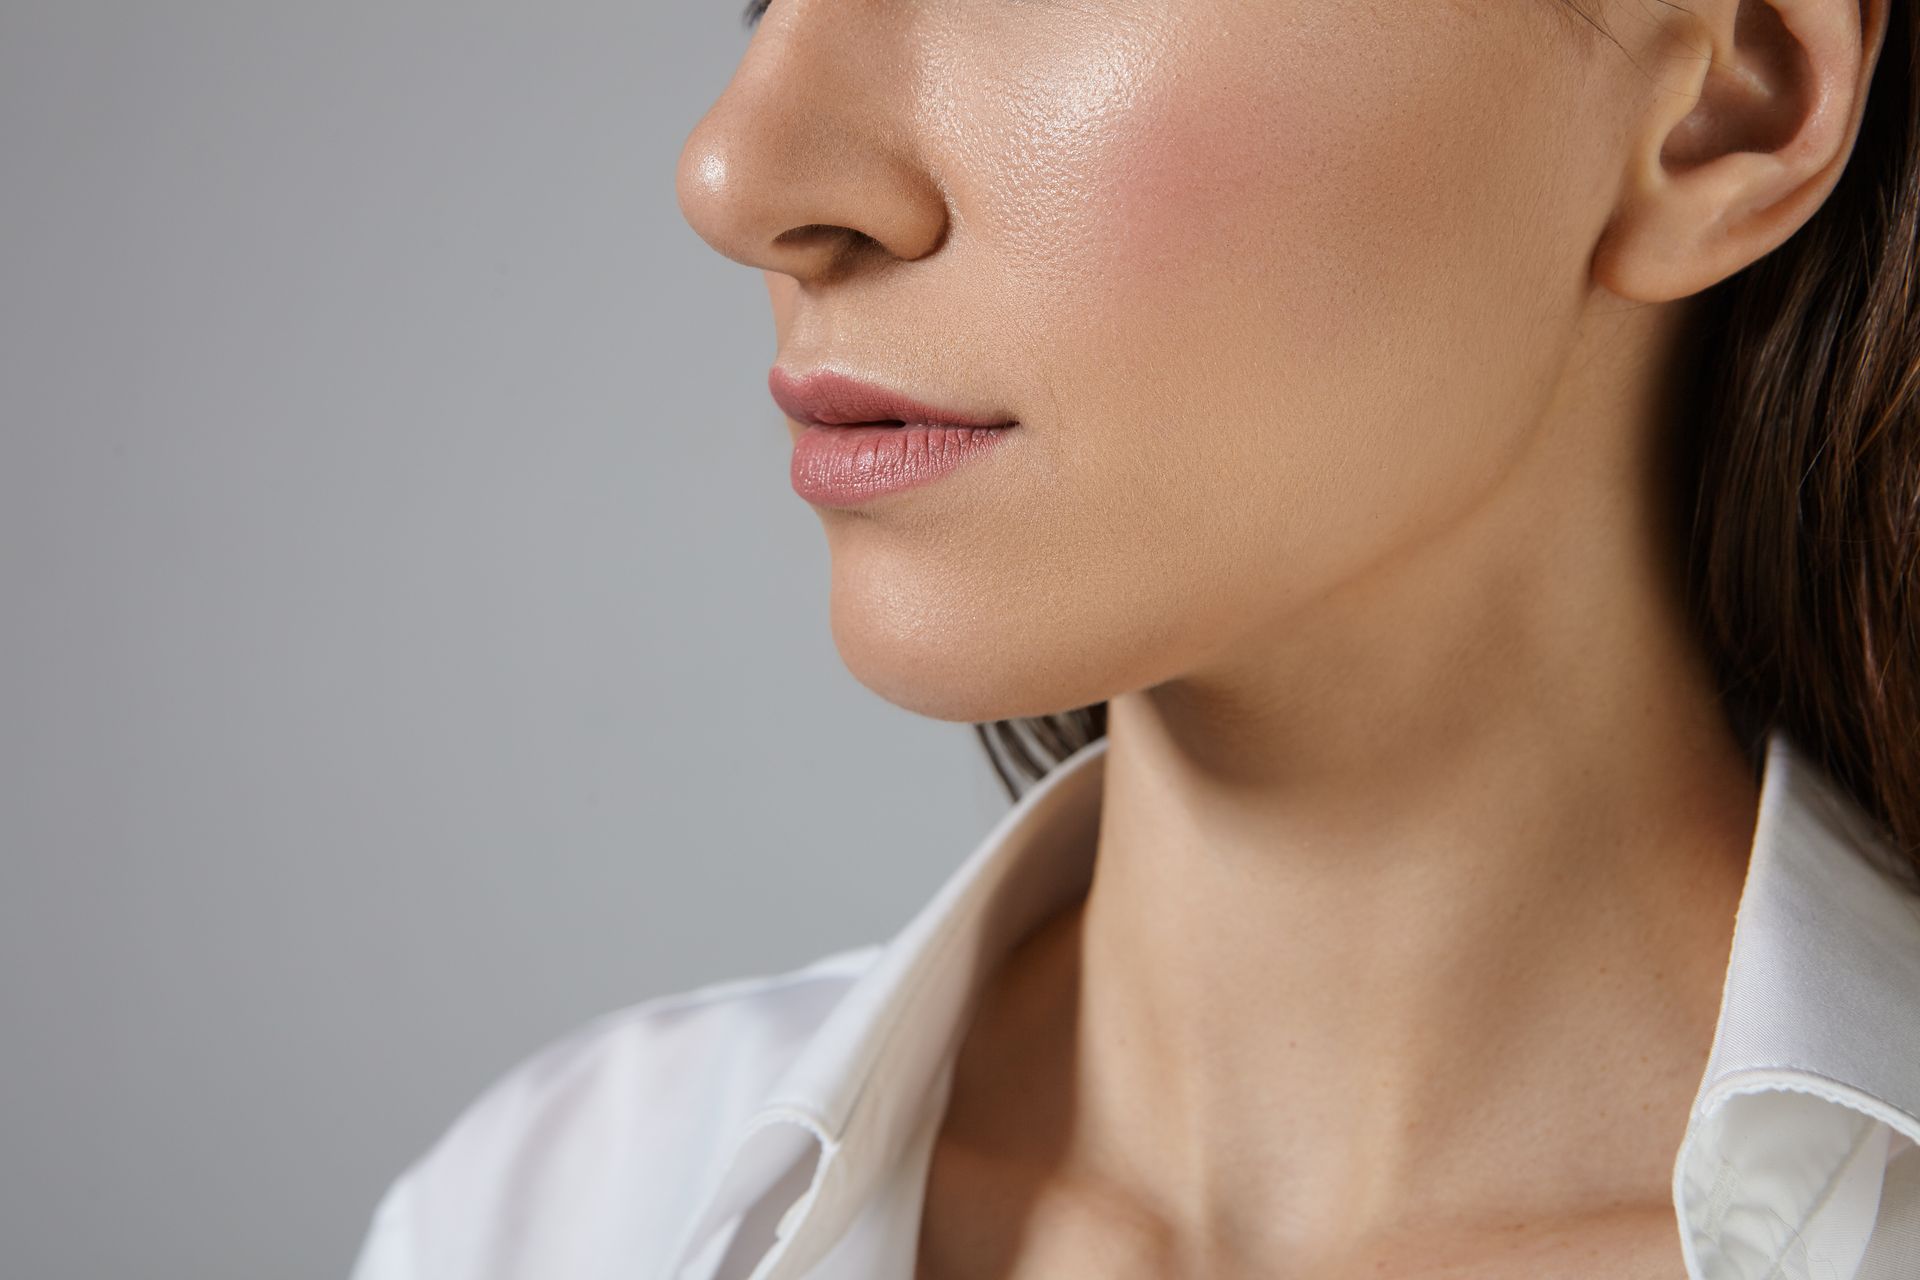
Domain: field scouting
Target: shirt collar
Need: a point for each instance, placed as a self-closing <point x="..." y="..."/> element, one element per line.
<point x="1814" y="1066"/>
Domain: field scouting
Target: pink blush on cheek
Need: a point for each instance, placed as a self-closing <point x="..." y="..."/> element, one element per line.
<point x="1314" y="182"/>
<point x="1208" y="198"/>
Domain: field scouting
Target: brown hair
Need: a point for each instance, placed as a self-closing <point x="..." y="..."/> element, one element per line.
<point x="1797" y="472"/>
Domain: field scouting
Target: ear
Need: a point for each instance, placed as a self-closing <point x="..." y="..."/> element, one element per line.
<point x="1754" y="111"/>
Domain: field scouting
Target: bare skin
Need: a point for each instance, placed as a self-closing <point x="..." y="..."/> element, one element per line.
<point x="1343" y="341"/>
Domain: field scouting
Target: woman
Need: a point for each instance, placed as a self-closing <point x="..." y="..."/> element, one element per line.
<point x="1419" y="501"/>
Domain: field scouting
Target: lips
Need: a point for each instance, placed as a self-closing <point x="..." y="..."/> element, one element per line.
<point x="830" y="399"/>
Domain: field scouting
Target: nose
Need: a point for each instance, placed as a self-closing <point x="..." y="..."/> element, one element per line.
<point x="809" y="162"/>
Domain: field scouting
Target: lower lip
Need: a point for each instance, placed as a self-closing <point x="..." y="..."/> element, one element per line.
<point x="845" y="466"/>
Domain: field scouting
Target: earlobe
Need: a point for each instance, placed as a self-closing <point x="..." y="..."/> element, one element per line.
<point x="1752" y="112"/>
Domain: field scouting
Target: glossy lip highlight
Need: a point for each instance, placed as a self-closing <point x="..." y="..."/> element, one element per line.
<point x="830" y="398"/>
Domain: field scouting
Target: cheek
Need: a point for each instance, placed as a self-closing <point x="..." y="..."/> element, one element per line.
<point x="1296" y="263"/>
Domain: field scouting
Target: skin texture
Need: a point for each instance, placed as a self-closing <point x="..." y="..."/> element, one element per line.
<point x="1342" y="340"/>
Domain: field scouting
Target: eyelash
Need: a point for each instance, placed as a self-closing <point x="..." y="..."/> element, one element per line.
<point x="755" y="10"/>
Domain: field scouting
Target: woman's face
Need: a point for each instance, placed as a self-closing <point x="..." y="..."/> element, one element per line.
<point x="1275" y="290"/>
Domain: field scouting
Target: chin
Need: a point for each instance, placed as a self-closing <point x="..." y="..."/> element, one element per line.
<point x="945" y="666"/>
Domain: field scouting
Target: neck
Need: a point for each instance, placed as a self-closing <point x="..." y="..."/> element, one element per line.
<point x="1420" y="918"/>
<point x="1436" y="897"/>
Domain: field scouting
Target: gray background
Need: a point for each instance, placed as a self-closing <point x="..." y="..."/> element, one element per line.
<point x="411" y="647"/>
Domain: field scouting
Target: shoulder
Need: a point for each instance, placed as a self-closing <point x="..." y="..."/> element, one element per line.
<point x="598" y="1145"/>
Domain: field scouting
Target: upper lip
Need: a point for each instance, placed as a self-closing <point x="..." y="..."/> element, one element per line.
<point x="829" y="398"/>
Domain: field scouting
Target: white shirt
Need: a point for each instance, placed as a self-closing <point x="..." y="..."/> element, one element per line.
<point x="781" y="1126"/>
